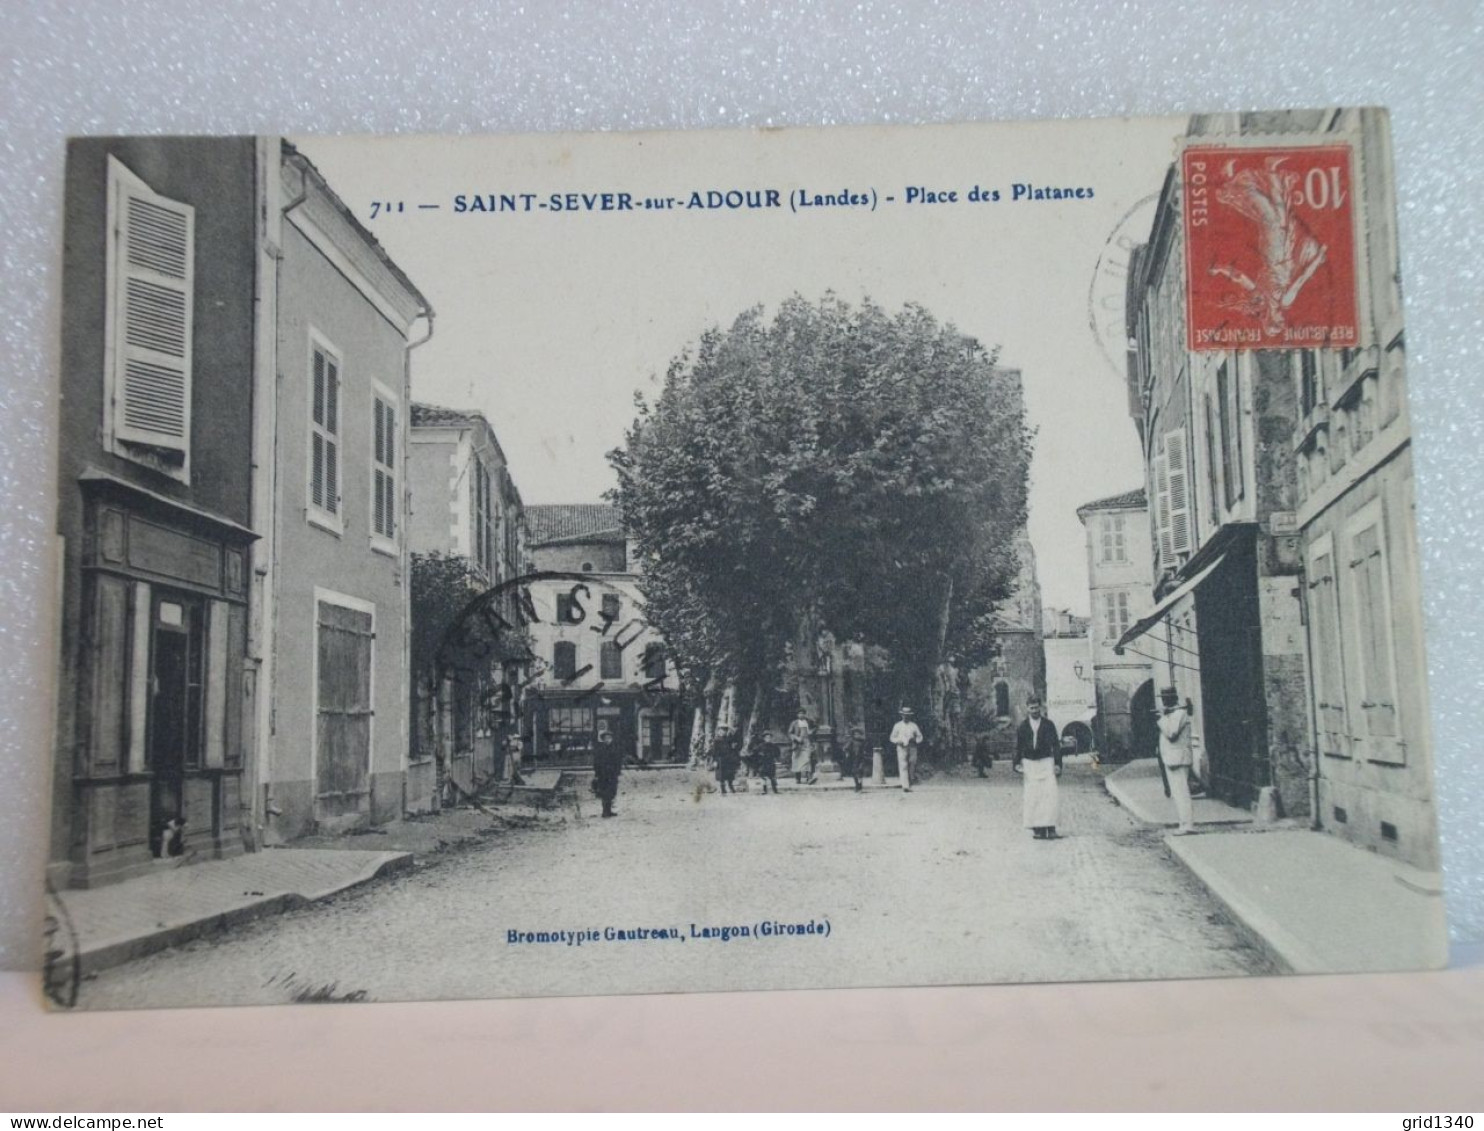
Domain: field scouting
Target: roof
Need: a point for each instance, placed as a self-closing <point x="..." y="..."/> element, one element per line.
<point x="1129" y="500"/>
<point x="294" y="154"/>
<point x="436" y="416"/>
<point x="573" y="522"/>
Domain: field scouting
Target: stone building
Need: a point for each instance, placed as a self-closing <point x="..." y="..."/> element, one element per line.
<point x="1070" y="702"/>
<point x="157" y="677"/>
<point x="336" y="599"/>
<point x="467" y="511"/>
<point x="1371" y="742"/>
<point x="1218" y="430"/>
<point x="1120" y="577"/>
<point x="599" y="668"/>
<point x="1286" y="571"/>
<point x="234" y="364"/>
<point x="999" y="689"/>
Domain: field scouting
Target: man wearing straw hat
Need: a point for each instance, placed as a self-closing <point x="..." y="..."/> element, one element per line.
<point x="1175" y="753"/>
<point x="1038" y="761"/>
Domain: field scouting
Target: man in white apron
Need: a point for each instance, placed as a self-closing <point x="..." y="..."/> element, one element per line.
<point x="1038" y="761"/>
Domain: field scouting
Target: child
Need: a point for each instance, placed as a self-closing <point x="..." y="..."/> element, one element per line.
<point x="855" y="755"/>
<point x="728" y="759"/>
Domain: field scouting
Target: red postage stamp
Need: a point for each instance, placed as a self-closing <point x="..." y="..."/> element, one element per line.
<point x="1270" y="247"/>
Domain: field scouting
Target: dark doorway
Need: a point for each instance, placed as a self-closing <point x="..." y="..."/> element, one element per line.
<point x="176" y="692"/>
<point x="1143" y="728"/>
<point x="1234" y="709"/>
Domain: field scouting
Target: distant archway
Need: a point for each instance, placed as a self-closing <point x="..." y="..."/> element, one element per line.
<point x="1081" y="734"/>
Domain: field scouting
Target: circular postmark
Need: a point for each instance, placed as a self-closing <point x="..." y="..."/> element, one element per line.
<point x="562" y="662"/>
<point x="1107" y="293"/>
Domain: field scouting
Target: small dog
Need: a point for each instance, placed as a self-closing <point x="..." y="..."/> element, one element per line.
<point x="172" y="838"/>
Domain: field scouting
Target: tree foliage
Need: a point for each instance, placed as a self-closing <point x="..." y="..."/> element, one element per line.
<point x="865" y="469"/>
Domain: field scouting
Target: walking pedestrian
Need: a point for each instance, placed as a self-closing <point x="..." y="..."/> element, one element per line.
<point x="983" y="753"/>
<point x="1175" y="755"/>
<point x="728" y="756"/>
<point x="514" y="749"/>
<point x="906" y="736"/>
<point x="1038" y="761"/>
<point x="607" y="765"/>
<point x="801" y="748"/>
<point x="763" y="762"/>
<point x="855" y="755"/>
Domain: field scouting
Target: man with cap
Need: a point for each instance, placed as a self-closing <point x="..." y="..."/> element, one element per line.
<point x="1038" y="762"/>
<point x="1175" y="754"/>
<point x="906" y="736"/>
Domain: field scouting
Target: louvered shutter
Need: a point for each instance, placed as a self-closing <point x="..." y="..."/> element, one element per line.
<point x="1178" y="476"/>
<point x="332" y="432"/>
<point x="390" y="481"/>
<point x="155" y="269"/>
<point x="1162" y="499"/>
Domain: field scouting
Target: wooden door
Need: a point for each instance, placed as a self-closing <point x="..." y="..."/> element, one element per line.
<point x="343" y="723"/>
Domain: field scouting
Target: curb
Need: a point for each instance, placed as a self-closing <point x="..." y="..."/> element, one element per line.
<point x="105" y="955"/>
<point x="1262" y="935"/>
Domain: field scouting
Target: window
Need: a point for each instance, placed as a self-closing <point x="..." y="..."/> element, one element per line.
<point x="610" y="660"/>
<point x="1115" y="614"/>
<point x="1309" y="387"/>
<point x="1329" y="671"/>
<point x="1375" y="679"/>
<point x="612" y="607"/>
<point x="1231" y="436"/>
<point x="564" y="659"/>
<point x="568" y="609"/>
<point x="1002" y="700"/>
<point x="1211" y="460"/>
<point x="148" y="323"/>
<point x="1115" y="547"/>
<point x="564" y="722"/>
<point x="383" y="467"/>
<point x="484" y="524"/>
<point x="324" y="433"/>
<point x="654" y="662"/>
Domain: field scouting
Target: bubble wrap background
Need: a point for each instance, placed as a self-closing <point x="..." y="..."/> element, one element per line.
<point x="173" y="66"/>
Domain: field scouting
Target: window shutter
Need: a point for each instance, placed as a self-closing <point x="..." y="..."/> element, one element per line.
<point x="153" y="312"/>
<point x="1178" y="477"/>
<point x="1162" y="498"/>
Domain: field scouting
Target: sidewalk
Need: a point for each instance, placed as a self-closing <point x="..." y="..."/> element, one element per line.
<point x="1316" y="903"/>
<point x="1138" y="787"/>
<point x="114" y="924"/>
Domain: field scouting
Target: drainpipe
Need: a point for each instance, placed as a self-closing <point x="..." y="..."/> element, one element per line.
<point x="265" y="806"/>
<point x="404" y="552"/>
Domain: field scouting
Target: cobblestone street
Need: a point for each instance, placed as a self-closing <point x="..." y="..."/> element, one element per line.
<point x="939" y="886"/>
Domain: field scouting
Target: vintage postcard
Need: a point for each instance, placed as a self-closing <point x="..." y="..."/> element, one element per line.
<point x="614" y="564"/>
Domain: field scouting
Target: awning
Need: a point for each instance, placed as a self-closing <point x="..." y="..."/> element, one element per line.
<point x="1158" y="613"/>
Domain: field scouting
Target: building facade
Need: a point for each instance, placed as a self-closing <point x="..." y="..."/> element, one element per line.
<point x="1120" y="577"/>
<point x="1370" y="734"/>
<point x="335" y="754"/>
<point x="1287" y="583"/>
<point x="466" y="509"/>
<point x="998" y="691"/>
<point x="600" y="669"/>
<point x="157" y="678"/>
<point x="1070" y="701"/>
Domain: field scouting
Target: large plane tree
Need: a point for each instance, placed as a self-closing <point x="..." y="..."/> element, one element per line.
<point x="863" y="470"/>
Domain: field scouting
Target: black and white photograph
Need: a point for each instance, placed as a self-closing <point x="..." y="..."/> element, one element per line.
<point x="587" y="564"/>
